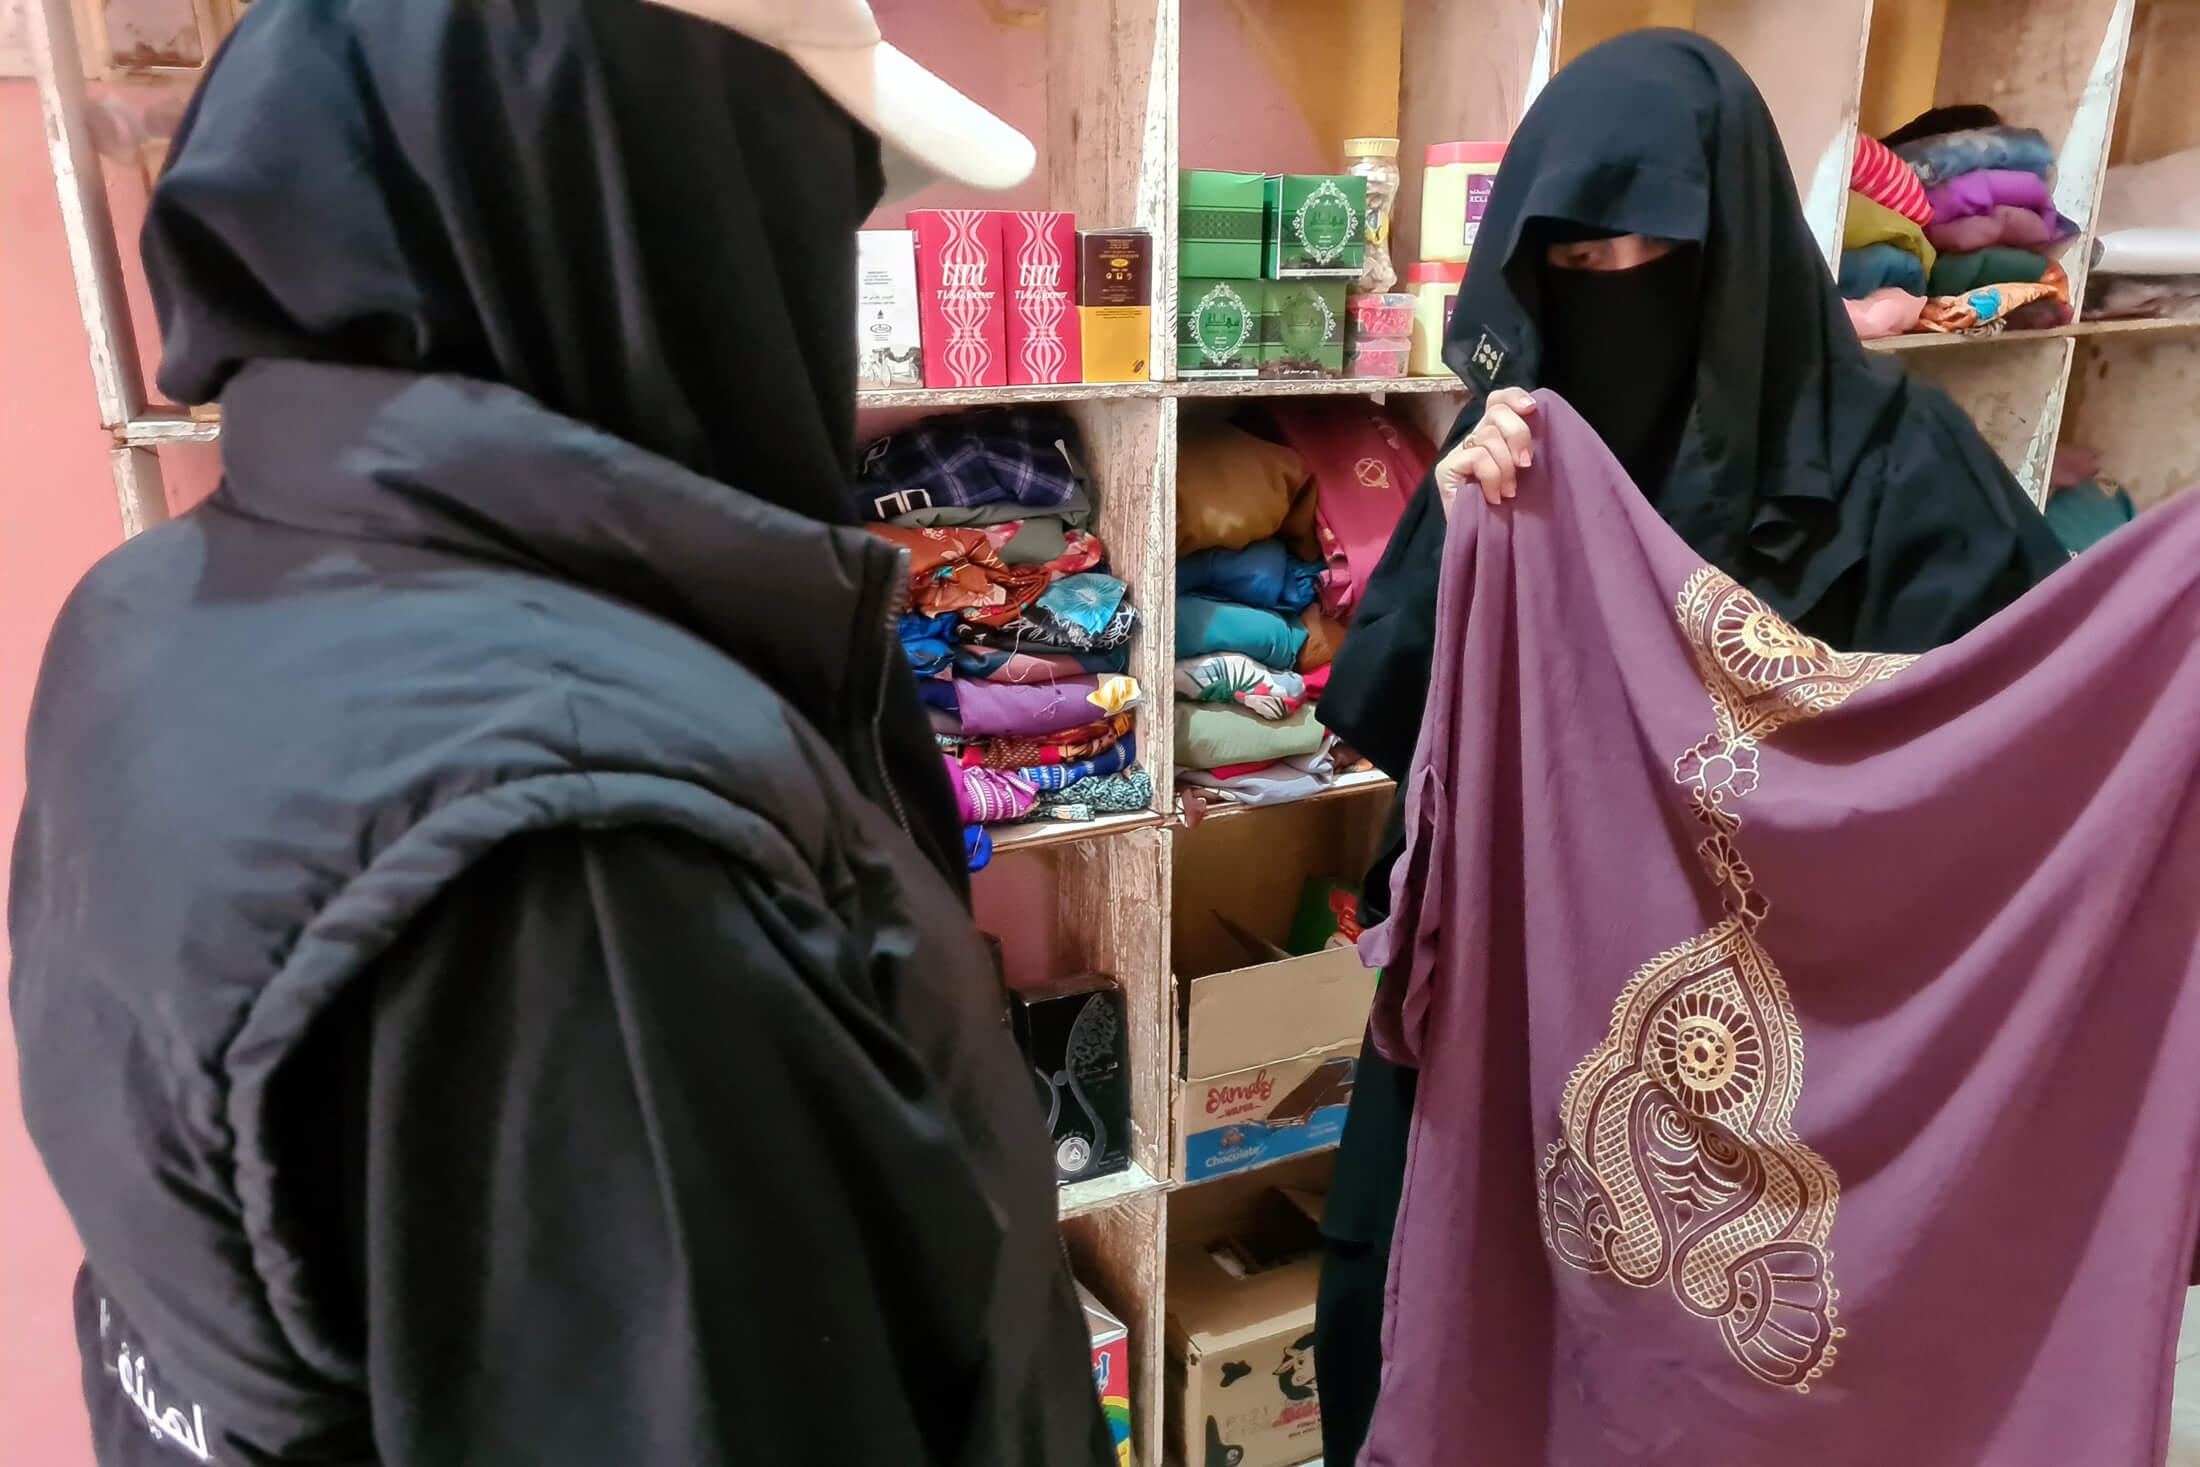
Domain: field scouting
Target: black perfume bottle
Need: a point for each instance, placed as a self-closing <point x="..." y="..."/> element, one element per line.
<point x="1072" y="1033"/>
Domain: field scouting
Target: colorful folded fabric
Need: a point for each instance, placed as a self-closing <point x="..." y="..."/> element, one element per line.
<point x="1263" y="574"/>
<point x="969" y="461"/>
<point x="1210" y="734"/>
<point x="958" y="570"/>
<point x="1039" y="710"/>
<point x="1048" y="544"/>
<point x="1232" y="677"/>
<point x="1885" y="313"/>
<point x="1037" y="627"/>
<point x="1991" y="305"/>
<point x="1951" y="155"/>
<point x="1982" y="192"/>
<point x="1885" y="179"/>
<point x="1960" y="274"/>
<point x="1105" y="794"/>
<point x="1324" y="635"/>
<point x="1869" y="223"/>
<point x="2044" y="314"/>
<point x="1021" y="755"/>
<point x="1880" y="267"/>
<point x="1204" y="626"/>
<point x="1364" y="464"/>
<point x="977" y="847"/>
<point x="2007" y="225"/>
<point x="1232" y="488"/>
<point x="1317" y="681"/>
<point x="1112" y="760"/>
<point x="996" y="666"/>
<point x="1276" y="783"/>
<point x="1087" y="601"/>
<point x="929" y="642"/>
<point x="989" y="796"/>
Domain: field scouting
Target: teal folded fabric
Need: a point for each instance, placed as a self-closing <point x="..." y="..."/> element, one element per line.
<point x="1204" y="626"/>
<point x="2086" y="514"/>
<point x="1881" y="267"/>
<point x="1962" y="274"/>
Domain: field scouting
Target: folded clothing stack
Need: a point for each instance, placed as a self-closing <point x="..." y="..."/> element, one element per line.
<point x="1018" y="635"/>
<point x="2083" y="508"/>
<point x="2146" y="264"/>
<point x="1993" y="225"/>
<point x="1277" y="538"/>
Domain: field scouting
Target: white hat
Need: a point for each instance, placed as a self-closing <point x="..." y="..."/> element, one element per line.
<point x="929" y="129"/>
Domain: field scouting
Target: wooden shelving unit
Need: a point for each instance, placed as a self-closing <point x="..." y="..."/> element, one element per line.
<point x="1126" y="97"/>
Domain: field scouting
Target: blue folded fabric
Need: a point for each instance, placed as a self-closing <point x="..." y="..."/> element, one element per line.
<point x="1262" y="574"/>
<point x="1880" y="267"/>
<point x="1953" y="154"/>
<point x="929" y="642"/>
<point x="1044" y="777"/>
<point x="1204" y="626"/>
<point x="968" y="460"/>
<point x="977" y="846"/>
<point x="939" y="692"/>
<point x="1087" y="601"/>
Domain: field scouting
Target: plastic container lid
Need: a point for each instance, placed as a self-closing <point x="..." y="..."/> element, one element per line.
<point x="1442" y="153"/>
<point x="1371" y="147"/>
<point x="1436" y="271"/>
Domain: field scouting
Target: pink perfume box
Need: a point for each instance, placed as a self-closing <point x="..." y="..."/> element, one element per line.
<point x="1043" y="339"/>
<point x="963" y="297"/>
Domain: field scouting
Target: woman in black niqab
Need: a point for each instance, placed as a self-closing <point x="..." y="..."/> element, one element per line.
<point x="1724" y="375"/>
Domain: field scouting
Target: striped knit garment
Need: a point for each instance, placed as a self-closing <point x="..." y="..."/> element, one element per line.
<point x="1882" y="177"/>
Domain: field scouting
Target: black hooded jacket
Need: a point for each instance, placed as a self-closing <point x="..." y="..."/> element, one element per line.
<point x="492" y="963"/>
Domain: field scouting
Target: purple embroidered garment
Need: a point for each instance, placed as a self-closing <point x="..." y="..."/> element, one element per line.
<point x="1807" y="1039"/>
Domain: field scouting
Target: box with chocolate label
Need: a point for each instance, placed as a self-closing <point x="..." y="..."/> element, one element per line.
<point x="1269" y="1056"/>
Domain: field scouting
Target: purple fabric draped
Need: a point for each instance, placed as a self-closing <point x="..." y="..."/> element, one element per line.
<point x="1807" y="1040"/>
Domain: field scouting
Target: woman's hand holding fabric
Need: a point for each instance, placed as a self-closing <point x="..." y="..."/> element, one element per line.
<point x="1491" y="456"/>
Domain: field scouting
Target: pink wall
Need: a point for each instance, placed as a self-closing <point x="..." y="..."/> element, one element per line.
<point x="57" y="515"/>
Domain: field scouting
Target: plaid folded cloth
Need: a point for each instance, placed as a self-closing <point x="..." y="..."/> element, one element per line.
<point x="971" y="460"/>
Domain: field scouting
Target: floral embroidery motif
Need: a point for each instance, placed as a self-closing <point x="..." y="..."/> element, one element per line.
<point x="1677" y="1164"/>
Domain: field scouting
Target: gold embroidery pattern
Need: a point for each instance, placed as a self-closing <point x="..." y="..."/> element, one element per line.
<point x="1677" y="1162"/>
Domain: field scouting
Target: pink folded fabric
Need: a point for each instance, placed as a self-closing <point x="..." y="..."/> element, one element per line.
<point x="2006" y="225"/>
<point x="1981" y="192"/>
<point x="988" y="796"/>
<point x="1885" y="313"/>
<point x="1885" y="179"/>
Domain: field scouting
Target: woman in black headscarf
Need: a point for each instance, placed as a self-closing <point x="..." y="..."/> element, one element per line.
<point x="1645" y="256"/>
<point x="491" y="946"/>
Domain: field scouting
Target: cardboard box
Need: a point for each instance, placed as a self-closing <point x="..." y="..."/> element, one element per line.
<point x="889" y="339"/>
<point x="1313" y="226"/>
<point x="1218" y="328"/>
<point x="1072" y="1033"/>
<point x="1111" y="1370"/>
<point x="1118" y="341"/>
<point x="1219" y="224"/>
<point x="1114" y="267"/>
<point x="1302" y="324"/>
<point x="1241" y="1377"/>
<point x="1043" y="328"/>
<point x="1269" y="1054"/>
<point x="960" y="292"/>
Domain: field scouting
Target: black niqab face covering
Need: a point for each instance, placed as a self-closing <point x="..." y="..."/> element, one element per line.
<point x="1620" y="347"/>
<point x="641" y="219"/>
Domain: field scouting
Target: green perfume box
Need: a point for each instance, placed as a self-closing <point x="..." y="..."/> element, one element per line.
<point x="1218" y="327"/>
<point x="1302" y="328"/>
<point x="1314" y="226"/>
<point x="1219" y="224"/>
